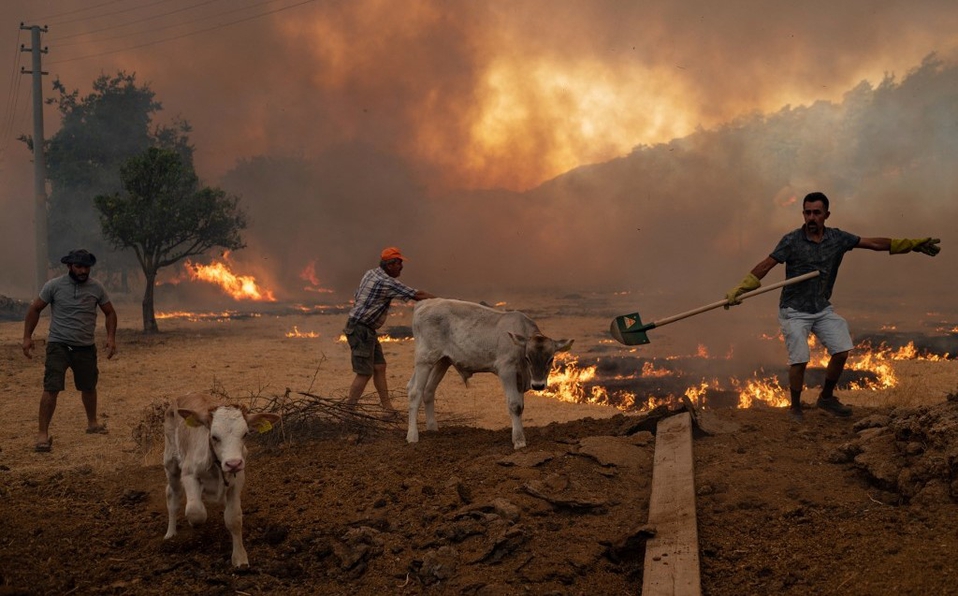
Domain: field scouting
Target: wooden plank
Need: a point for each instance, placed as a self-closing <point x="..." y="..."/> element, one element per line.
<point x="672" y="555"/>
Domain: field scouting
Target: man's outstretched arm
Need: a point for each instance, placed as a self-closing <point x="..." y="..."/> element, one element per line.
<point x="898" y="246"/>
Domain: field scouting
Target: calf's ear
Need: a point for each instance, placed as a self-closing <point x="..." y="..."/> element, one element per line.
<point x="193" y="419"/>
<point x="563" y="344"/>
<point x="262" y="423"/>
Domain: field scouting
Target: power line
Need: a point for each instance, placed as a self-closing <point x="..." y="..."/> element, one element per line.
<point x="12" y="100"/>
<point x="184" y="35"/>
<point x="99" y="16"/>
<point x="137" y="21"/>
<point x="73" y="11"/>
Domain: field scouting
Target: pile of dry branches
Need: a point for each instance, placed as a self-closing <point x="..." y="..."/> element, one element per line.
<point x="309" y="416"/>
<point x="305" y="416"/>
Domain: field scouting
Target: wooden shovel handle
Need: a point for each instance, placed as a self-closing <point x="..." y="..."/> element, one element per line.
<point x="762" y="290"/>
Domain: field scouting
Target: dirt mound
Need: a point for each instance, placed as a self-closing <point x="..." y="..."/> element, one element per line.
<point x="911" y="454"/>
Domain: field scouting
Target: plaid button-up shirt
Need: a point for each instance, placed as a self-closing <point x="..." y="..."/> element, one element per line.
<point x="374" y="295"/>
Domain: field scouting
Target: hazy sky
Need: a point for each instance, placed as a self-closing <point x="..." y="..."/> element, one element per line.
<point x="469" y="95"/>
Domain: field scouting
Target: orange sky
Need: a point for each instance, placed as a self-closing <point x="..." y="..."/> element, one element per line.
<point x="470" y="94"/>
<point x="480" y="95"/>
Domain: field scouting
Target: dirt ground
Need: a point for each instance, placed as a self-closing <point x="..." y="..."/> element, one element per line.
<point x="866" y="505"/>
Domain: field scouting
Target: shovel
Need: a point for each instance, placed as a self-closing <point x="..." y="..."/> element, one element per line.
<point x="629" y="330"/>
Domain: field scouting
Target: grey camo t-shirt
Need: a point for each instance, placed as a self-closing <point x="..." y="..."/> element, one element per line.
<point x="802" y="256"/>
<point x="73" y="309"/>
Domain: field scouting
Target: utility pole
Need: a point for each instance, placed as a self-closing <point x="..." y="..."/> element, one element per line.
<point x="39" y="163"/>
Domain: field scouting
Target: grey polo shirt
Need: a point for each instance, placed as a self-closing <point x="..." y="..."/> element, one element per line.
<point x="802" y="256"/>
<point x="73" y="309"/>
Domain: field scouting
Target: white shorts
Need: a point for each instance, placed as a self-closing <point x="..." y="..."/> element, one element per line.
<point x="830" y="329"/>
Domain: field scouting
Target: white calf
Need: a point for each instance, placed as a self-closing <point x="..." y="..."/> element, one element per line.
<point x="474" y="338"/>
<point x="205" y="457"/>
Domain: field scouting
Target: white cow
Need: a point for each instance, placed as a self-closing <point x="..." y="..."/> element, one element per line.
<point x="474" y="338"/>
<point x="205" y="457"/>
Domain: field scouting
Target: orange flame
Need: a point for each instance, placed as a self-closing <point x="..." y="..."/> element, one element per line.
<point x="649" y="370"/>
<point x="199" y="316"/>
<point x="240" y="287"/>
<point x="384" y="338"/>
<point x="297" y="333"/>
<point x="309" y="274"/>
<point x="567" y="380"/>
<point x="766" y="391"/>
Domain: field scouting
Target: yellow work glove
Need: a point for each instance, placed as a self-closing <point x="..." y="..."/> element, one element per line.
<point x="928" y="246"/>
<point x="748" y="284"/>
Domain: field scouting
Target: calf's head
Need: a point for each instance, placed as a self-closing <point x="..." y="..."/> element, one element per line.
<point x="537" y="352"/>
<point x="228" y="427"/>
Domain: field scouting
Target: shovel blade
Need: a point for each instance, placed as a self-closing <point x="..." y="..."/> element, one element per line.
<point x="629" y="330"/>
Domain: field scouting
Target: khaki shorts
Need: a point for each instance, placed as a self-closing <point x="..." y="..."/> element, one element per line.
<point x="80" y="359"/>
<point x="830" y="329"/>
<point x="365" y="348"/>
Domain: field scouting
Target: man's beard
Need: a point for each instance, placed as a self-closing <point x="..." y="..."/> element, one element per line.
<point x="77" y="279"/>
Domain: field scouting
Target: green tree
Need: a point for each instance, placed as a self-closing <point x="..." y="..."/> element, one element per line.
<point x="165" y="216"/>
<point x="98" y="133"/>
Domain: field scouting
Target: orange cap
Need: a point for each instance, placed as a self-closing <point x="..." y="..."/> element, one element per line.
<point x="391" y="253"/>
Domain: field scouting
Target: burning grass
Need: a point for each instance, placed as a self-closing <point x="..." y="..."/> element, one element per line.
<point x="630" y="383"/>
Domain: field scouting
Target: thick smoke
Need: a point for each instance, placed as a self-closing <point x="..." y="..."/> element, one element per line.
<point x="656" y="148"/>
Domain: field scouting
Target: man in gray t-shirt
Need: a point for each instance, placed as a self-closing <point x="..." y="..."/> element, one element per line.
<point x="73" y="299"/>
<point x="804" y="307"/>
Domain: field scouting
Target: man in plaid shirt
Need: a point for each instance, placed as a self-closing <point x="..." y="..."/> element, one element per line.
<point x="370" y="308"/>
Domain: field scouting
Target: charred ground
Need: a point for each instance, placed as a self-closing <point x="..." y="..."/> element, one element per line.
<point x="836" y="506"/>
<point x="865" y="506"/>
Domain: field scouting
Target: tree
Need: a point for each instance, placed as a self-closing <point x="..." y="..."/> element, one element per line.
<point x="98" y="133"/>
<point x="165" y="216"/>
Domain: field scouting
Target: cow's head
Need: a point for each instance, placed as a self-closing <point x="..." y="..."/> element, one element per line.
<point x="538" y="352"/>
<point x="228" y="427"/>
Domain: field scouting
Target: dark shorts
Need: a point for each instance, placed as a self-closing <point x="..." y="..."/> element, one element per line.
<point x="82" y="360"/>
<point x="365" y="348"/>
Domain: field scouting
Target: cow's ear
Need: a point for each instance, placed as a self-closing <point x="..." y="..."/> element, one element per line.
<point x="262" y="423"/>
<point x="519" y="340"/>
<point x="563" y="345"/>
<point x="191" y="418"/>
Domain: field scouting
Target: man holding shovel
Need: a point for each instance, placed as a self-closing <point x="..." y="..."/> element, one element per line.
<point x="804" y="307"/>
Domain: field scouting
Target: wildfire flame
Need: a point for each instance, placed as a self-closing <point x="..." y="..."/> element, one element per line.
<point x="649" y="370"/>
<point x="384" y="338"/>
<point x="567" y="383"/>
<point x="570" y="381"/>
<point x="766" y="391"/>
<point x="297" y="333"/>
<point x="199" y="316"/>
<point x="309" y="274"/>
<point x="240" y="287"/>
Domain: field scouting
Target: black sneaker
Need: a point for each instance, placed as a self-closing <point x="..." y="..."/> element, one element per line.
<point x="831" y="404"/>
<point x="795" y="414"/>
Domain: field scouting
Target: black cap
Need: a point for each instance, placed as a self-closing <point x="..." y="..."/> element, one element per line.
<point x="80" y="256"/>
